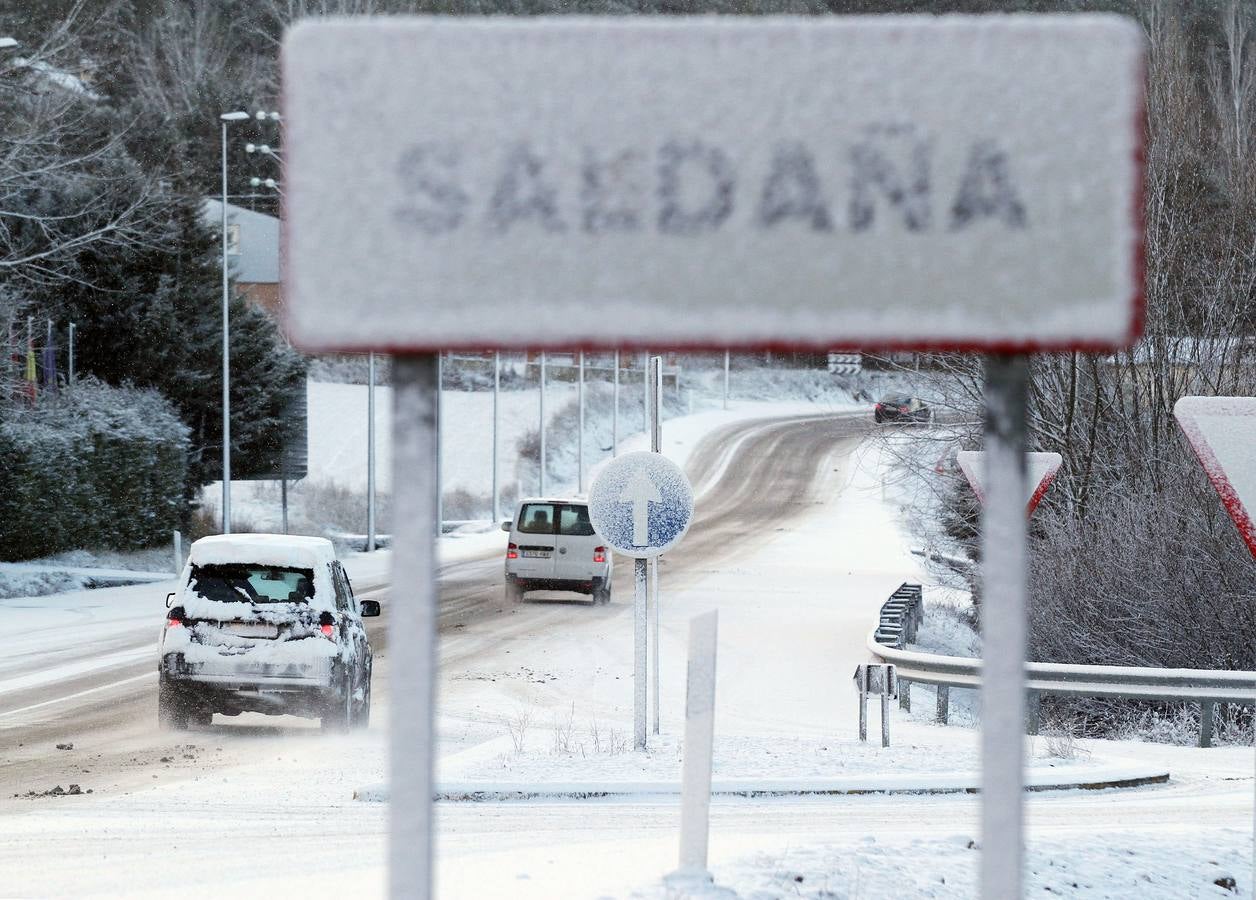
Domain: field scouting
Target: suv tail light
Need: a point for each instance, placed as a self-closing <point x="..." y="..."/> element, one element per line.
<point x="599" y="554"/>
<point x="512" y="551"/>
<point x="327" y="624"/>
<point x="174" y="618"/>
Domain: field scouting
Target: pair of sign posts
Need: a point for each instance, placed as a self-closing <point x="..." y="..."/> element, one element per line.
<point x="783" y="183"/>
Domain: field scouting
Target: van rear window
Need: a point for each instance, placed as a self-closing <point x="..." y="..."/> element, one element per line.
<point x="252" y="584"/>
<point x="574" y="520"/>
<point x="570" y="519"/>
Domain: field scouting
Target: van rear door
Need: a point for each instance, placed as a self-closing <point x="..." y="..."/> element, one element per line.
<point x="535" y="534"/>
<point x="576" y="540"/>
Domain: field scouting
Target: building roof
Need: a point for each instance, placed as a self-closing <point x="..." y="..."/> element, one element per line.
<point x="257" y="261"/>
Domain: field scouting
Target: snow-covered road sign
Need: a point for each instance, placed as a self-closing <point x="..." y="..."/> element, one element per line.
<point x="1041" y="469"/>
<point x="1222" y="432"/>
<point x="641" y="504"/>
<point x="714" y="182"/>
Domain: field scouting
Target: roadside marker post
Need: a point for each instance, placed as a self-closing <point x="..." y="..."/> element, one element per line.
<point x="640" y="505"/>
<point x="682" y="159"/>
<point x="695" y="790"/>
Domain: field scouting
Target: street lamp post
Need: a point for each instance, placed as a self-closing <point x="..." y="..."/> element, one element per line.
<point x="227" y="119"/>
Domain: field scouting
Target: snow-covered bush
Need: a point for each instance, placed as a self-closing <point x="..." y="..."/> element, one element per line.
<point x="97" y="466"/>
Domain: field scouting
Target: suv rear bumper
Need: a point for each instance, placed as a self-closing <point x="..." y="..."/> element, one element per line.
<point x="227" y="673"/>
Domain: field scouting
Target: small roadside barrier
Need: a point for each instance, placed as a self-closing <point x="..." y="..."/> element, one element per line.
<point x="901" y="616"/>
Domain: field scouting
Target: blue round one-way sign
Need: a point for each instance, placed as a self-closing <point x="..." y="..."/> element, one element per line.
<point x="641" y="504"/>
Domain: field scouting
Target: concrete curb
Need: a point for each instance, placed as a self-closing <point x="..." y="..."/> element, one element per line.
<point x="1062" y="779"/>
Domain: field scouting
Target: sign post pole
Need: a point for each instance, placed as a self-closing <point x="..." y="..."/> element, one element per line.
<point x="412" y="624"/>
<point x="1003" y="530"/>
<point x="639" y="651"/>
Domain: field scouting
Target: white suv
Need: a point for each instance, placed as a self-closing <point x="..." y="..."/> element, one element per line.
<point x="553" y="548"/>
<point x="265" y="623"/>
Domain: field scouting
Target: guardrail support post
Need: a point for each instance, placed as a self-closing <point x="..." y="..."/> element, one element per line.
<point x="944" y="703"/>
<point x="885" y="720"/>
<point x="1205" y="722"/>
<point x="904" y="695"/>
<point x="1033" y="707"/>
<point x="863" y="716"/>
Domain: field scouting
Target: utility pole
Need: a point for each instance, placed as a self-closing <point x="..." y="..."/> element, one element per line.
<point x="615" y="411"/>
<point x="371" y="452"/>
<point x="542" y="486"/>
<point x="226" y="119"/>
<point x="726" y="379"/>
<point x="655" y="404"/>
<point x="70" y="378"/>
<point x="497" y="385"/>
<point x="580" y="427"/>
<point x="440" y="496"/>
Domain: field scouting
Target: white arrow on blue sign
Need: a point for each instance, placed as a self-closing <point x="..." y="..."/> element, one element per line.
<point x="641" y="504"/>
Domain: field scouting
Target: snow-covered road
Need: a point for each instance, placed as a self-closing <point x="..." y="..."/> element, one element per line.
<point x="795" y="547"/>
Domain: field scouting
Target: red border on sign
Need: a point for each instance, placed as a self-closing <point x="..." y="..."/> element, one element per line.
<point x="1040" y="491"/>
<point x="1137" y="319"/>
<point x="1230" y="499"/>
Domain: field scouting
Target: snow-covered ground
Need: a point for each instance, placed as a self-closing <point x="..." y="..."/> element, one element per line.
<point x="795" y="608"/>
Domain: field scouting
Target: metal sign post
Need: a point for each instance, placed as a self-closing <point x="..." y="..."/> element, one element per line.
<point x="954" y="144"/>
<point x="1003" y="619"/>
<point x="641" y="504"/>
<point x="411" y="756"/>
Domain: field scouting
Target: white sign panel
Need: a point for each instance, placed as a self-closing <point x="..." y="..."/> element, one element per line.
<point x="1040" y="472"/>
<point x="1222" y="432"/>
<point x="714" y="182"/>
<point x="641" y="504"/>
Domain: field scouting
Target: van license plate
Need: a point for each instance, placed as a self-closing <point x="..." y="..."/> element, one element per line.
<point x="536" y="554"/>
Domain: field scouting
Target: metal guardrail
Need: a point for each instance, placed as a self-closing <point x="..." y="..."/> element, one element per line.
<point x="1207" y="687"/>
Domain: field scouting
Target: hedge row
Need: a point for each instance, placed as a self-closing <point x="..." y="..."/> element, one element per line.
<point x="98" y="467"/>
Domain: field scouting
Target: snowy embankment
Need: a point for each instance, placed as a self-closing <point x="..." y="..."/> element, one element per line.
<point x="338" y="427"/>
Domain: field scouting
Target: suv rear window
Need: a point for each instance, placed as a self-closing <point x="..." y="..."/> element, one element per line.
<point x="252" y="584"/>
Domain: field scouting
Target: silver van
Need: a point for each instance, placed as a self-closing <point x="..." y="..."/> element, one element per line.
<point x="553" y="548"/>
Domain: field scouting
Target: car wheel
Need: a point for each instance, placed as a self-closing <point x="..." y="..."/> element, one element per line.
<point x="514" y="591"/>
<point x="338" y="709"/>
<point x="172" y="707"/>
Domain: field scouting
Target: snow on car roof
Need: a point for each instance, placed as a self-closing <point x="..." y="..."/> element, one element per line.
<point x="288" y="551"/>
<point x="577" y="500"/>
